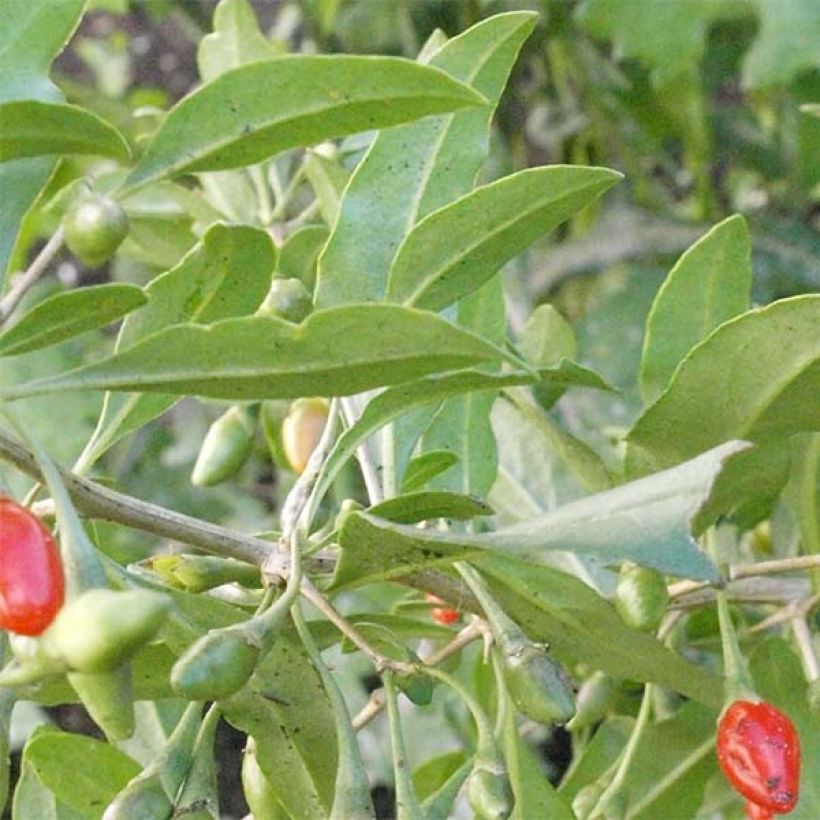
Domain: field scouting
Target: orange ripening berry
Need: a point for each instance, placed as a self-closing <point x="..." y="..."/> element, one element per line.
<point x="443" y="614"/>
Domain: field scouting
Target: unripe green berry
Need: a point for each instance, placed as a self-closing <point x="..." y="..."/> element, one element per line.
<point x="108" y="698"/>
<point x="538" y="685"/>
<point x="102" y="628"/>
<point x="641" y="597"/>
<point x="489" y="791"/>
<point x="94" y="228"/>
<point x="259" y="794"/>
<point x="218" y="665"/>
<point x="225" y="448"/>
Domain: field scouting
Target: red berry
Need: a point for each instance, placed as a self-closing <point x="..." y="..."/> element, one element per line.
<point x="31" y="576"/>
<point x="443" y="614"/>
<point x="755" y="812"/>
<point x="759" y="752"/>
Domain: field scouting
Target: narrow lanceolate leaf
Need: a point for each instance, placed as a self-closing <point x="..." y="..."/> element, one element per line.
<point x="396" y="401"/>
<point x="340" y="351"/>
<point x="535" y="796"/>
<point x="672" y="763"/>
<point x="228" y="124"/>
<point x="709" y="285"/>
<point x="462" y="424"/>
<point x="72" y="775"/>
<point x="646" y="521"/>
<point x="413" y="170"/>
<point x="32" y="33"/>
<point x="29" y="128"/>
<point x="226" y="274"/>
<point x="582" y="627"/>
<point x="756" y="377"/>
<point x="236" y="40"/>
<point x="66" y="315"/>
<point x="287" y="711"/>
<point x="454" y="250"/>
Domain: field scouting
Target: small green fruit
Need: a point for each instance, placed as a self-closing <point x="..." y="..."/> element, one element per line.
<point x="94" y="228"/>
<point x="641" y="597"/>
<point x="259" y="794"/>
<point x="109" y="699"/>
<point x="226" y="447"/>
<point x="218" y="665"/>
<point x="489" y="791"/>
<point x="538" y="685"/>
<point x="102" y="628"/>
<point x="594" y="701"/>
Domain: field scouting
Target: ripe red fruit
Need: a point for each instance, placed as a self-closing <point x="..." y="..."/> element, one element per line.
<point x="759" y="752"/>
<point x="31" y="576"/>
<point x="443" y="614"/>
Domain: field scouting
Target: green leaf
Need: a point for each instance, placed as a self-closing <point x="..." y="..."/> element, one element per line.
<point x="462" y="424"/>
<point x="397" y="401"/>
<point x="755" y="377"/>
<point x="236" y="40"/>
<point x="299" y="253"/>
<point x="547" y="338"/>
<point x="709" y="285"/>
<point x="567" y="468"/>
<point x="457" y="248"/>
<point x="802" y="494"/>
<point x="32" y="34"/>
<point x="534" y="794"/>
<point x="811" y="108"/>
<point x="328" y="180"/>
<point x="339" y="351"/>
<point x="426" y="466"/>
<point x="646" y="521"/>
<point x="286" y="710"/>
<point x="68" y="314"/>
<point x="77" y="775"/>
<point x="672" y="764"/>
<point x="413" y="170"/>
<point x="227" y="274"/>
<point x="438" y="804"/>
<point x="786" y="43"/>
<point x="411" y="508"/>
<point x="227" y="123"/>
<point x="29" y="128"/>
<point x="779" y="679"/>
<point x="597" y="756"/>
<point x="581" y="627"/>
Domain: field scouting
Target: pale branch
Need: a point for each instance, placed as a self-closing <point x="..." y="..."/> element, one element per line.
<point x="96" y="501"/>
<point x="28" y="278"/>
<point x="805" y="643"/>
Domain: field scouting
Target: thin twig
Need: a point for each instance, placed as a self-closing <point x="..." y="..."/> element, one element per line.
<point x="374" y="706"/>
<point x="795" y="564"/>
<point x="802" y="636"/>
<point x="380" y="661"/>
<point x="95" y="501"/>
<point x="26" y="280"/>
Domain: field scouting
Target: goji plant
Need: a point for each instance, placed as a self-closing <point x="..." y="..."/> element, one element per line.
<point x="427" y="391"/>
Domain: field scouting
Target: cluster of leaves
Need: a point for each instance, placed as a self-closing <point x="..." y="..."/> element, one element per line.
<point x="467" y="439"/>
